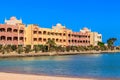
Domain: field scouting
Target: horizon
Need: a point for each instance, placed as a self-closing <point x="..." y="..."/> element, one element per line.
<point x="99" y="16"/>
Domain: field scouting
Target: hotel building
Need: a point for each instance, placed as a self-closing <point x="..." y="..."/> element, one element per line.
<point x="15" y="33"/>
<point x="95" y="38"/>
<point x="81" y="38"/>
<point x="12" y="32"/>
<point x="36" y="35"/>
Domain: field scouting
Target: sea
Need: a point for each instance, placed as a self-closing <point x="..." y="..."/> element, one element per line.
<point x="104" y="65"/>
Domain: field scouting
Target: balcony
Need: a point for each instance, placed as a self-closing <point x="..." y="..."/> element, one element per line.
<point x="15" y="38"/>
<point x="3" y="38"/>
<point x="15" y="31"/>
<point x="21" y="38"/>
<point x="34" y="32"/>
<point x="34" y="39"/>
<point x="9" y="30"/>
<point x="44" y="40"/>
<point x="57" y="40"/>
<point x="40" y="39"/>
<point x="2" y="30"/>
<point x="39" y="32"/>
<point x="21" y="31"/>
<point x="44" y="32"/>
<point x="9" y="38"/>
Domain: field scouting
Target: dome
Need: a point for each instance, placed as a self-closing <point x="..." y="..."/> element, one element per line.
<point x="58" y="24"/>
<point x="85" y="29"/>
<point x="13" y="18"/>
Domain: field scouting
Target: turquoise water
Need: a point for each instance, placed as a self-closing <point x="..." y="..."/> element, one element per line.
<point x="92" y="65"/>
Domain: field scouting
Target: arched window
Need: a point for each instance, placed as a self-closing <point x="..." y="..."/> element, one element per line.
<point x="3" y="38"/>
<point x="2" y="29"/>
<point x="15" y="38"/>
<point x="9" y="38"/>
<point x="21" y="31"/>
<point x="15" y="30"/>
<point x="9" y="29"/>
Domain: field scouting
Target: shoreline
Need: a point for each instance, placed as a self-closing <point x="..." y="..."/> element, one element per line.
<point x="19" y="76"/>
<point x="33" y="54"/>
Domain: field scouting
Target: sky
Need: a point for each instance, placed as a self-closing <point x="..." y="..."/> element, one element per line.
<point x="101" y="16"/>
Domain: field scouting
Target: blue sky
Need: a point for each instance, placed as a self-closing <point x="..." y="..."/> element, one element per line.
<point x="102" y="16"/>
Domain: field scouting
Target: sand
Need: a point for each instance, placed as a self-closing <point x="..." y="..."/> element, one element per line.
<point x="13" y="76"/>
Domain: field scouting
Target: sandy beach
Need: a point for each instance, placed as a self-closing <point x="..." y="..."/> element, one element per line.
<point x="13" y="76"/>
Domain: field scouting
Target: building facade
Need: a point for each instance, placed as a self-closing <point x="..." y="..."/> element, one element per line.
<point x="95" y="38"/>
<point x="14" y="32"/>
<point x="79" y="38"/>
<point x="36" y="35"/>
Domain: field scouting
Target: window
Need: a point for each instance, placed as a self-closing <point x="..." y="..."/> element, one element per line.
<point x="60" y="34"/>
<point x="60" y="40"/>
<point x="9" y="38"/>
<point x="44" y="39"/>
<point x="40" y="39"/>
<point x="56" y="40"/>
<point x="80" y="41"/>
<point x="69" y="41"/>
<point x="35" y="39"/>
<point x="9" y="29"/>
<point x="21" y="31"/>
<point x="3" y="37"/>
<point x="53" y="39"/>
<point x="15" y="30"/>
<point x="48" y="33"/>
<point x="40" y="32"/>
<point x="64" y="34"/>
<point x="15" y="38"/>
<point x="21" y="38"/>
<point x="64" y="40"/>
<point x="2" y="29"/>
<point x="83" y="41"/>
<point x="69" y="35"/>
<point x="75" y="41"/>
<point x="44" y="32"/>
<point x="34" y="32"/>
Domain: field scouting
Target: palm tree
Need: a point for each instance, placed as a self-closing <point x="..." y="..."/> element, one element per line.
<point x="101" y="46"/>
<point x="20" y="49"/>
<point x="41" y="47"/>
<point x="13" y="47"/>
<point x="81" y="48"/>
<point x="36" y="48"/>
<point x="44" y="48"/>
<point x="51" y="44"/>
<point x="3" y="49"/>
<point x="91" y="47"/>
<point x="111" y="42"/>
<point x="73" y="48"/>
<point x="96" y="48"/>
<point x="68" y="48"/>
<point x="27" y="49"/>
<point x="63" y="49"/>
<point x="8" y="48"/>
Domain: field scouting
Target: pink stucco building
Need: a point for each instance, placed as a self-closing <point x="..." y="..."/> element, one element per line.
<point x="12" y="32"/>
<point x="81" y="38"/>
